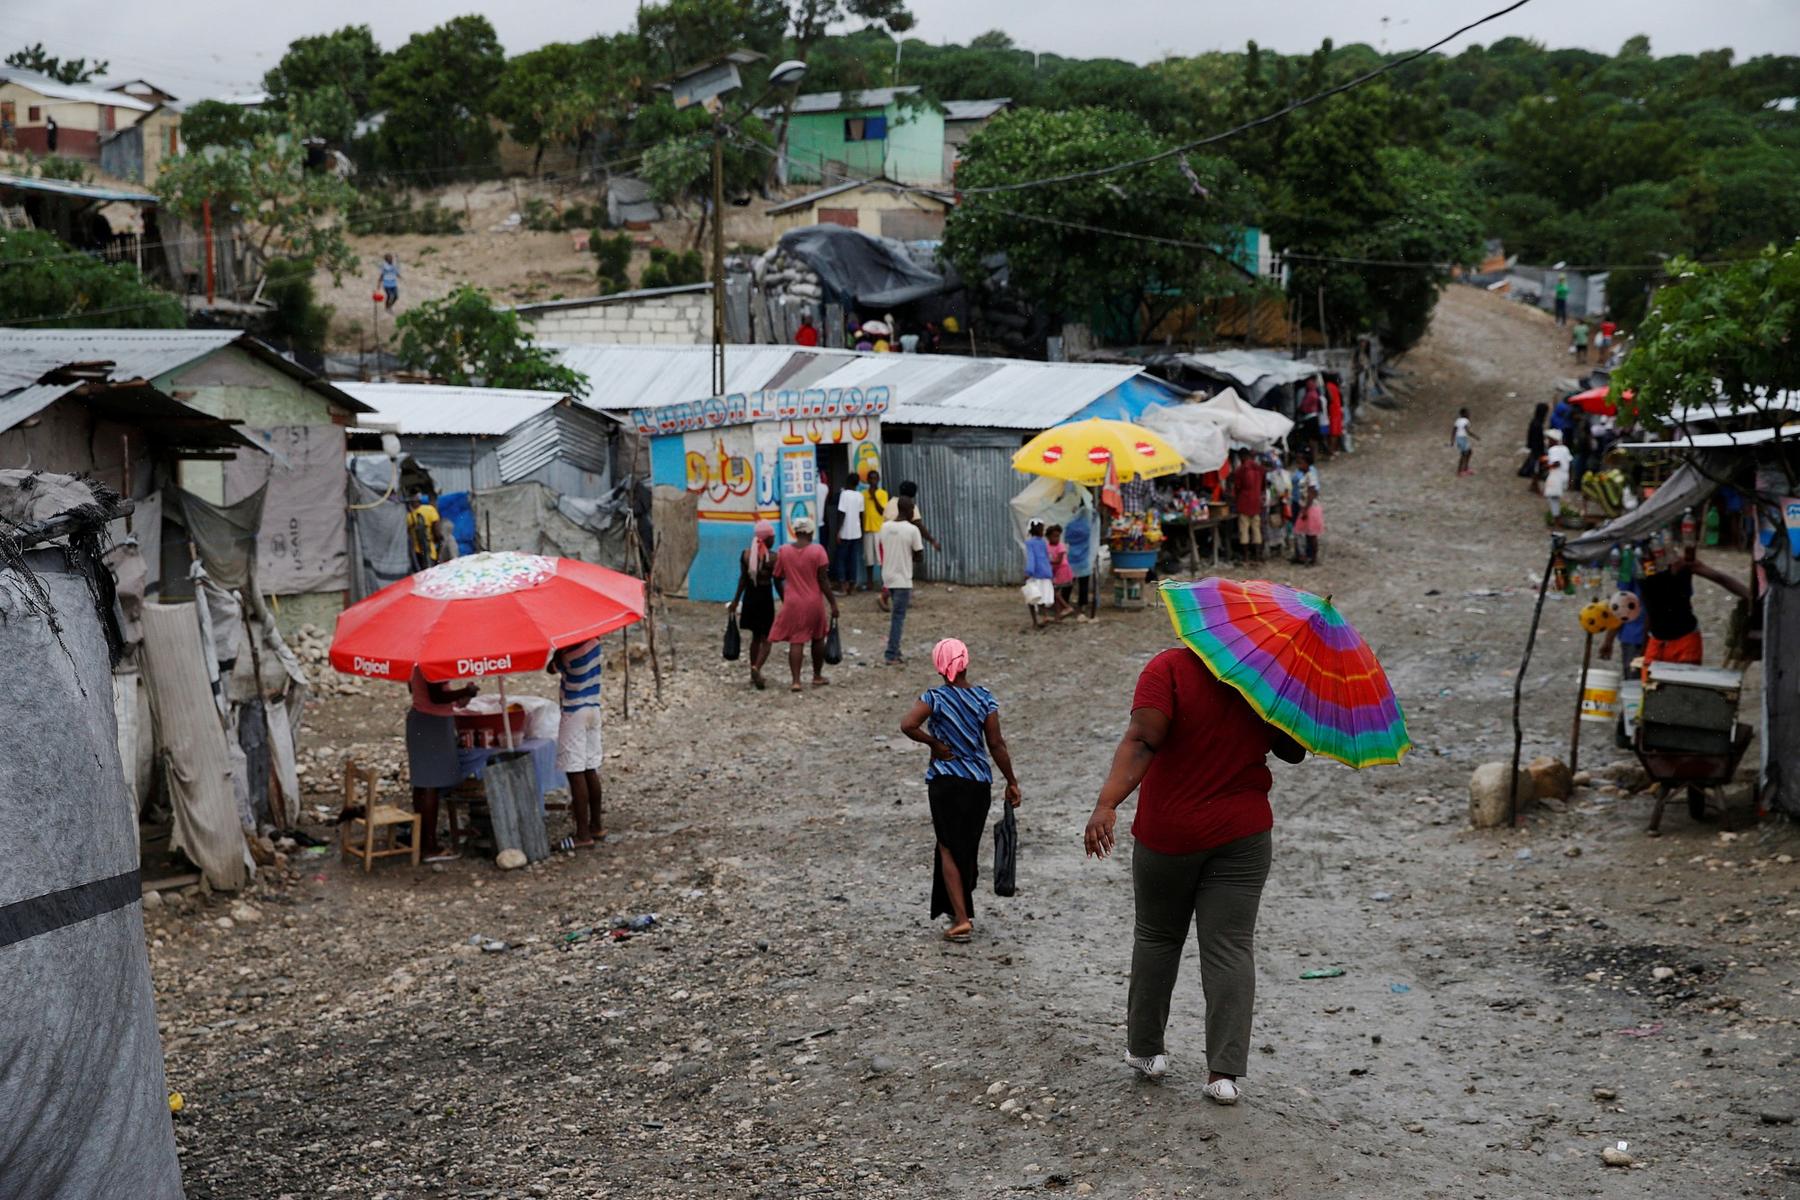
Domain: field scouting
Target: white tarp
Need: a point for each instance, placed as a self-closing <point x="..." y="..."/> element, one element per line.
<point x="302" y="545"/>
<point x="1244" y="423"/>
<point x="198" y="761"/>
<point x="1199" y="437"/>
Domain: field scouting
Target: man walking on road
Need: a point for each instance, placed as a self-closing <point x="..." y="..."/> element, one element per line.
<point x="1562" y="299"/>
<point x="898" y="540"/>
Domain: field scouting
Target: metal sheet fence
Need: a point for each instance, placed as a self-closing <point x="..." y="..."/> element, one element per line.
<point x="964" y="493"/>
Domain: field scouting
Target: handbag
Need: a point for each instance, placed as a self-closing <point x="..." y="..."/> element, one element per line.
<point x="1006" y="853"/>
<point x="734" y="641"/>
<point x="834" y="647"/>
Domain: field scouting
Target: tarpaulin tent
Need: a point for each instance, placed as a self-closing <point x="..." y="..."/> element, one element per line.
<point x="1244" y="423"/>
<point x="80" y="1060"/>
<point x="1199" y="437"/>
<point x="861" y="269"/>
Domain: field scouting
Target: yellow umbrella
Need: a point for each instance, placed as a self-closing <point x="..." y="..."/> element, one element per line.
<point x="1080" y="451"/>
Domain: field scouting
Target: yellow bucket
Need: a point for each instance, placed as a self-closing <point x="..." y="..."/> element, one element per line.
<point x="1600" y="695"/>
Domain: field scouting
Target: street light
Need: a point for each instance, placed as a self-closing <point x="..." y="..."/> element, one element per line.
<point x="785" y="75"/>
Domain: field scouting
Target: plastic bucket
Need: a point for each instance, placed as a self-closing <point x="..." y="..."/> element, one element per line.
<point x="1600" y="695"/>
<point x="1134" y="560"/>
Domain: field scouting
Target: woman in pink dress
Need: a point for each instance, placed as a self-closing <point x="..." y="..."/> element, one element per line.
<point x="808" y="605"/>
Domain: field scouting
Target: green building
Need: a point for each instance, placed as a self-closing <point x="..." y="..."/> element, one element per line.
<point x="890" y="133"/>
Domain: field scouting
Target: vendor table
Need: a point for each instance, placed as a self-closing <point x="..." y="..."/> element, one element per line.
<point x="1194" y="526"/>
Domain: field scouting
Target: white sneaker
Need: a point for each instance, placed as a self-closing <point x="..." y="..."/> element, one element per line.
<point x="1154" y="1067"/>
<point x="1222" y="1091"/>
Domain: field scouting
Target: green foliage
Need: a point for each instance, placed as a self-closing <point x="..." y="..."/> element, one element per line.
<point x="51" y="285"/>
<point x="299" y="320"/>
<point x="436" y="92"/>
<point x="326" y="83"/>
<point x="214" y="123"/>
<point x="1065" y="268"/>
<point x="677" y="34"/>
<point x="464" y="339"/>
<point x="1718" y="333"/>
<point x="571" y="93"/>
<point x="55" y="166"/>
<point x="286" y="211"/>
<point x="70" y="70"/>
<point x="677" y="156"/>
<point x="612" y="255"/>
<point x="544" y="217"/>
<point x="385" y="212"/>
<point x="672" y="268"/>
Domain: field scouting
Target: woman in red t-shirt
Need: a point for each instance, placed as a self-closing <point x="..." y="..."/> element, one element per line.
<point x="1201" y="854"/>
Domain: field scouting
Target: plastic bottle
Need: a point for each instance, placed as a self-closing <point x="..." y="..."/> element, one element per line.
<point x="1690" y="529"/>
<point x="1614" y="563"/>
<point x="1559" y="575"/>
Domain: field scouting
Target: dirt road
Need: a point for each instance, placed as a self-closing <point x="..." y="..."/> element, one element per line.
<point x="793" y="1026"/>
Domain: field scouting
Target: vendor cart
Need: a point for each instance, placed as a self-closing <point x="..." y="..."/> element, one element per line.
<point x="1688" y="735"/>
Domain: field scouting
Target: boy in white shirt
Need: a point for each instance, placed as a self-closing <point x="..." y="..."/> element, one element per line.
<point x="900" y="539"/>
<point x="1462" y="436"/>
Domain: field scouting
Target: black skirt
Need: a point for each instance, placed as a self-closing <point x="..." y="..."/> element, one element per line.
<point x="959" y="809"/>
<point x="756" y="615"/>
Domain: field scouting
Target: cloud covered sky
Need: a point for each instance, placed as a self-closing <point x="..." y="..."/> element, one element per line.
<point x="199" y="48"/>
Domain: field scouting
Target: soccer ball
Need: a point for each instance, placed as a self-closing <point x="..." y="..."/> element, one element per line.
<point x="1597" y="617"/>
<point x="1625" y="606"/>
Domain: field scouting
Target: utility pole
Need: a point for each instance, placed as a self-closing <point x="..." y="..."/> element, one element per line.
<point x="718" y="264"/>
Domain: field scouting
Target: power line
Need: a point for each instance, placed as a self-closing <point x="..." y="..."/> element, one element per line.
<point x="1172" y="152"/>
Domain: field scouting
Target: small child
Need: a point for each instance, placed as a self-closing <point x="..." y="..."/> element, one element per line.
<point x="1062" y="575"/>
<point x="1462" y="436"/>
<point x="1039" y="591"/>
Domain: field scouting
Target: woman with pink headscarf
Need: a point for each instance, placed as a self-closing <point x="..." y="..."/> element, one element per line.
<point x="754" y="604"/>
<point x="964" y="730"/>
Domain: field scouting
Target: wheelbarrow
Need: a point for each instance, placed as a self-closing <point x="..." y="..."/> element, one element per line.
<point x="1698" y="771"/>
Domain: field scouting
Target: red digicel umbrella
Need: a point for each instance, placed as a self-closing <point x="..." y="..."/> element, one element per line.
<point x="485" y="614"/>
<point x="1595" y="400"/>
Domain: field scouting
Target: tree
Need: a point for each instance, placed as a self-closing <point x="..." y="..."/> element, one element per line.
<point x="214" y="123"/>
<point x="678" y="34"/>
<point x="1719" y="334"/>
<point x="463" y="339"/>
<point x="49" y="285"/>
<point x="1047" y="234"/>
<point x="286" y="210"/>
<point x="436" y="94"/>
<point x="326" y="83"/>
<point x="71" y="70"/>
<point x="571" y="93"/>
<point x="299" y="319"/>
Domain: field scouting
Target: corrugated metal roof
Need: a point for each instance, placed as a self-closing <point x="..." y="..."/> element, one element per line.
<point x="927" y="389"/>
<point x="439" y="408"/>
<point x="811" y="198"/>
<point x="80" y="93"/>
<point x="1248" y="366"/>
<point x="26" y="355"/>
<point x="87" y="191"/>
<point x="826" y="102"/>
<point x="973" y="110"/>
<point x="679" y="289"/>
<point x="28" y="402"/>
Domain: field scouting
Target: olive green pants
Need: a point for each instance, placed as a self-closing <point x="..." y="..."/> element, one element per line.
<point x="1217" y="893"/>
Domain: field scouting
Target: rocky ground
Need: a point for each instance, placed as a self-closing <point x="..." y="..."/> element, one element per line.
<point x="1513" y="1002"/>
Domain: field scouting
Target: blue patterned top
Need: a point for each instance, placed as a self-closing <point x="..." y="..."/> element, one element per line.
<point x="958" y="716"/>
<point x="580" y="671"/>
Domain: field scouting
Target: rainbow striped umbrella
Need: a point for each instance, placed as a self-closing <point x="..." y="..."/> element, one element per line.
<point x="1297" y="661"/>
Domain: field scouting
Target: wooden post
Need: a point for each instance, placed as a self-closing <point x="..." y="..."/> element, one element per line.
<point x="650" y="607"/>
<point x="206" y="227"/>
<point x="1512" y="790"/>
<point x="1587" y="655"/>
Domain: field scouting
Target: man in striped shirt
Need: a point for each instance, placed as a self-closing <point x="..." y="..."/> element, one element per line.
<point x="578" y="738"/>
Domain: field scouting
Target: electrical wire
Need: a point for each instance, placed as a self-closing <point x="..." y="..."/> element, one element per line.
<point x="1234" y="131"/>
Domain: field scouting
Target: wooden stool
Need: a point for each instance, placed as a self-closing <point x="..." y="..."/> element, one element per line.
<point x="1128" y="588"/>
<point x="358" y="836"/>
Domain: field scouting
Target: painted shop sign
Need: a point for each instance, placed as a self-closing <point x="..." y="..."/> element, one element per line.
<point x="743" y="408"/>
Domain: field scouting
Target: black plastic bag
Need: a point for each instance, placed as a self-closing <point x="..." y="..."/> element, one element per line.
<point x="1006" y="853"/>
<point x="834" y="646"/>
<point x="734" y="641"/>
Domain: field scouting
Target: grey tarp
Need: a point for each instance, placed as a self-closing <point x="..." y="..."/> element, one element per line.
<point x="196" y="758"/>
<point x="531" y="518"/>
<point x="676" y="517"/>
<point x="861" y="269"/>
<point x="224" y="536"/>
<point x="302" y="543"/>
<point x="378" y="548"/>
<point x="80" y="1062"/>
<point x="1691" y="484"/>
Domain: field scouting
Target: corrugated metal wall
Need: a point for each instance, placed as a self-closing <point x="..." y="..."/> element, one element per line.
<point x="454" y="465"/>
<point x="965" y="491"/>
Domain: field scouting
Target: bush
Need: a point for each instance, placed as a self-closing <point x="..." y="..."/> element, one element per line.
<point x="49" y="285"/>
<point x="55" y="166"/>
<point x="671" y="268"/>
<point x="613" y="253"/>
<point x="542" y="216"/>
<point x="299" y="319"/>
<point x="393" y="213"/>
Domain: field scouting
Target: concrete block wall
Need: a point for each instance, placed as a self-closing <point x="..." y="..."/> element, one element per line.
<point x="680" y="320"/>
